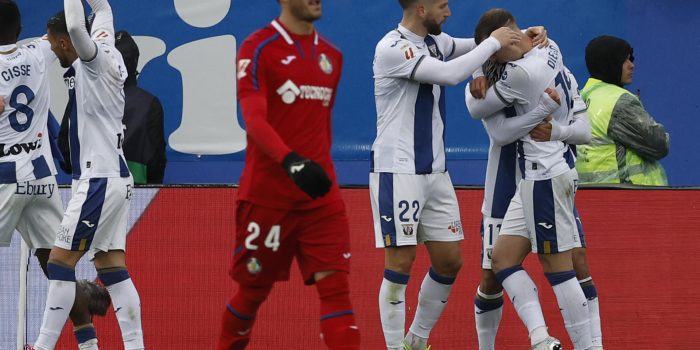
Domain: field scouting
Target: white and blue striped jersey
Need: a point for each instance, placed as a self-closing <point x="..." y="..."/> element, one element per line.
<point x="96" y="132"/>
<point x="521" y="86"/>
<point x="25" y="150"/>
<point x="410" y="115"/>
<point x="502" y="174"/>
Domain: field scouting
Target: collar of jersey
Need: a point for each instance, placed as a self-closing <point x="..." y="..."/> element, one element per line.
<point x="285" y="34"/>
<point x="8" y="49"/>
<point x="410" y="35"/>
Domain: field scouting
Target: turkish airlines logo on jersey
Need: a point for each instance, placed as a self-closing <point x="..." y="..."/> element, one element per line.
<point x="290" y="92"/>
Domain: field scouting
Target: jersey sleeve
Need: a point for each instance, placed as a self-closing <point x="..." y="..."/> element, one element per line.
<point x="103" y="22"/>
<point x="250" y="69"/>
<point x="396" y="59"/>
<point x="252" y="97"/>
<point x="512" y="88"/>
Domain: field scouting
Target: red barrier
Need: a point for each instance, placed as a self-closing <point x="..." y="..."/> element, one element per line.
<point x="642" y="254"/>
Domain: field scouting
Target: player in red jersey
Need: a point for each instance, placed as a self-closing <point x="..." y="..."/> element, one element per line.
<point x="289" y="202"/>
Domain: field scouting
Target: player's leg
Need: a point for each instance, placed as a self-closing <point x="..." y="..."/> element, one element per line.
<point x="70" y="243"/>
<point x="38" y="226"/>
<point x="441" y="229"/>
<point x="391" y="211"/>
<point x="556" y="235"/>
<point x="265" y="248"/>
<point x="112" y="271"/>
<point x="108" y="253"/>
<point x="488" y="302"/>
<point x="589" y="289"/>
<point x="511" y="248"/>
<point x="324" y="259"/>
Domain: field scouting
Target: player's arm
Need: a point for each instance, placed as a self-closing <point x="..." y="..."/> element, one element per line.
<point x="75" y="21"/>
<point x="462" y="46"/>
<point x="510" y="89"/>
<point x="504" y="129"/>
<point x="433" y="71"/>
<point x="102" y="28"/>
<point x="252" y="98"/>
<point x="2" y="105"/>
<point x="578" y="132"/>
<point x="632" y="126"/>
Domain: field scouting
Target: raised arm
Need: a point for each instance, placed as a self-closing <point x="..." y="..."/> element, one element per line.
<point x="75" y="21"/>
<point x="103" y="21"/>
<point x="433" y="71"/>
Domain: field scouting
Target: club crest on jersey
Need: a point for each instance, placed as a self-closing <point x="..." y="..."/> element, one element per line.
<point x="407" y="229"/>
<point x="455" y="227"/>
<point x="325" y="64"/>
<point x="253" y="266"/>
<point x="289" y="92"/>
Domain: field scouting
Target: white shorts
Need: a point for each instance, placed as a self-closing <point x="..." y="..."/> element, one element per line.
<point x="95" y="219"/>
<point x="543" y="211"/>
<point x="409" y="209"/>
<point x="490" y="228"/>
<point x="33" y="208"/>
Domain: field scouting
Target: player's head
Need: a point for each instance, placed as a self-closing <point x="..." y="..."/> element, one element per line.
<point x="130" y="52"/>
<point x="61" y="45"/>
<point x="488" y="23"/>
<point x="10" y="22"/>
<point x="610" y="59"/>
<point x="302" y="10"/>
<point x="431" y="13"/>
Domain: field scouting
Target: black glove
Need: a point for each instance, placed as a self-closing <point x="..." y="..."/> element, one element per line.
<point x="307" y="175"/>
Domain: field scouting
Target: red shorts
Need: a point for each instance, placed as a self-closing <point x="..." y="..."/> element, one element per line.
<point x="267" y="240"/>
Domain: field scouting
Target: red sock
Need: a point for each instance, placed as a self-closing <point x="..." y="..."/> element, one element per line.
<point x="239" y="316"/>
<point x="338" y="326"/>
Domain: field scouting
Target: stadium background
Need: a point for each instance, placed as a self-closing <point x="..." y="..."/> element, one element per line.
<point x="192" y="47"/>
<point x="180" y="246"/>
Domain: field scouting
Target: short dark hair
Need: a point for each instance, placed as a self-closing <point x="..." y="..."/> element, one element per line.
<point x="407" y="3"/>
<point x="10" y="22"/>
<point x="57" y="24"/>
<point x="490" y="21"/>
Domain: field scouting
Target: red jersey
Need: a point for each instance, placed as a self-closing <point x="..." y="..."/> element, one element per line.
<point x="286" y="87"/>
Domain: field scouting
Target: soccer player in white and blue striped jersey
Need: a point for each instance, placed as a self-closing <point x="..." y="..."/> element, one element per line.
<point x="95" y="220"/>
<point x="413" y="200"/>
<point x="540" y="216"/>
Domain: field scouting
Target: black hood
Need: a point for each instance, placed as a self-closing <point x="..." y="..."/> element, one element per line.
<point x="130" y="52"/>
<point x="605" y="56"/>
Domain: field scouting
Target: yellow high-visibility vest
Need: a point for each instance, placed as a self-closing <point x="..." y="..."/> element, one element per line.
<point x="597" y="162"/>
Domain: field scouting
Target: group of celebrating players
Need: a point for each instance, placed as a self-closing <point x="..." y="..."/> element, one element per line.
<point x="289" y="203"/>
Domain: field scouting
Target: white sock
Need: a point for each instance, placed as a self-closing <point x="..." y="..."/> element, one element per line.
<point x="127" y="307"/>
<point x="488" y="311"/>
<point x="88" y="345"/>
<point x="591" y="294"/>
<point x="432" y="299"/>
<point x="523" y="294"/>
<point x="574" y="307"/>
<point x="58" y="304"/>
<point x="392" y="307"/>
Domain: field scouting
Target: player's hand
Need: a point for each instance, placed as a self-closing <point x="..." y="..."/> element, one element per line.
<point x="542" y="132"/>
<point x="538" y="35"/>
<point x="553" y="94"/>
<point x="307" y="175"/>
<point x="478" y="87"/>
<point x="2" y="104"/>
<point x="506" y="36"/>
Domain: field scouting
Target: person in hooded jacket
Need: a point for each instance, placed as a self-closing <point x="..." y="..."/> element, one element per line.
<point x="627" y="142"/>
